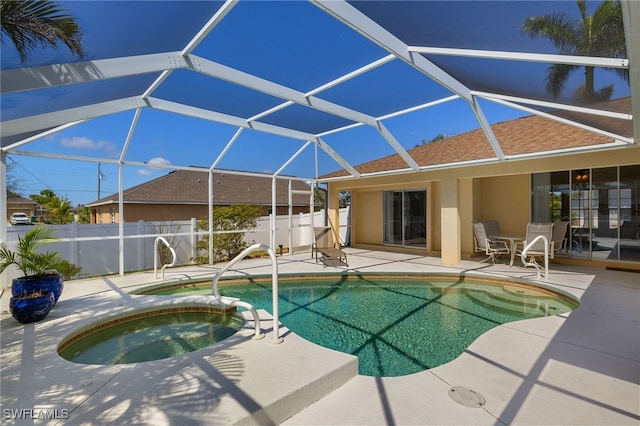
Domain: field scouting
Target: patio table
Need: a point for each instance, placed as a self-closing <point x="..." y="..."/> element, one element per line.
<point x="512" y="244"/>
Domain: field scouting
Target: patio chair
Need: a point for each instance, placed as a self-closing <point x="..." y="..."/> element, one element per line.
<point x="630" y="230"/>
<point x="491" y="228"/>
<point x="325" y="245"/>
<point x="491" y="248"/>
<point x="537" y="250"/>
<point x="558" y="236"/>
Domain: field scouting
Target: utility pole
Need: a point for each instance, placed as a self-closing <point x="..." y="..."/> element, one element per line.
<point x="101" y="177"/>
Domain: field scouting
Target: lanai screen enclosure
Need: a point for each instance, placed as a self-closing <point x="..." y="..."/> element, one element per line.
<point x="332" y="83"/>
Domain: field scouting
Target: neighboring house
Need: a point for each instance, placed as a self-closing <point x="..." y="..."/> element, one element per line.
<point x="18" y="204"/>
<point x="182" y="194"/>
<point x="432" y="211"/>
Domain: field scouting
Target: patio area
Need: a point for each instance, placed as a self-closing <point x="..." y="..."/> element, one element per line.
<point x="579" y="368"/>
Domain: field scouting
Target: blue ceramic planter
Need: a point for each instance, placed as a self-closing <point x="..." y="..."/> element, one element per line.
<point x="31" y="309"/>
<point x="50" y="283"/>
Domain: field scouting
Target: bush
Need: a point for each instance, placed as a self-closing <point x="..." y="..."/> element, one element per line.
<point x="227" y="218"/>
<point x="67" y="269"/>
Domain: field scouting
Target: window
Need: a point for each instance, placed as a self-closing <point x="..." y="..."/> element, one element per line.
<point x="405" y="218"/>
<point x="113" y="215"/>
<point x="602" y="205"/>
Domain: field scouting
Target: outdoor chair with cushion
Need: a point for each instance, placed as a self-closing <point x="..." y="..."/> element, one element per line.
<point x="329" y="249"/>
<point x="483" y="243"/>
<point x="537" y="250"/>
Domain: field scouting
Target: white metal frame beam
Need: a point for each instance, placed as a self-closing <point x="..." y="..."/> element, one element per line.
<point x="240" y="122"/>
<point x="48" y="76"/>
<point x="617" y="137"/>
<point x="34" y="78"/>
<point x="232" y="120"/>
<point x="42" y="135"/>
<point x="523" y="56"/>
<point x="555" y="105"/>
<point x="458" y="164"/>
<point x="364" y="25"/>
<point x="64" y="117"/>
<point x="240" y="78"/>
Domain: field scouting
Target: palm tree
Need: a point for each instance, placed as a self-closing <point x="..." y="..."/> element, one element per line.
<point x="60" y="211"/>
<point x="33" y="23"/>
<point x="600" y="34"/>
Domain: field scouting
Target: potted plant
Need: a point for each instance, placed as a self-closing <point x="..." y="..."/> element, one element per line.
<point x="41" y="276"/>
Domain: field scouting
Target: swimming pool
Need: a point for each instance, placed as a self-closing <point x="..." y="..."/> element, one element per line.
<point x="396" y="325"/>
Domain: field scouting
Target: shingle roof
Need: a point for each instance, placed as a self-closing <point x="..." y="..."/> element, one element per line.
<point x="520" y="136"/>
<point x="191" y="187"/>
<point x="13" y="198"/>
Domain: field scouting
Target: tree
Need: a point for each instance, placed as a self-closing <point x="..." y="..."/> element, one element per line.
<point x="59" y="211"/>
<point x="318" y="198"/>
<point x="29" y="24"/>
<point x="13" y="181"/>
<point x="227" y="218"/>
<point x="44" y="198"/>
<point x="84" y="214"/>
<point x="600" y="34"/>
<point x="344" y="199"/>
<point x="437" y="137"/>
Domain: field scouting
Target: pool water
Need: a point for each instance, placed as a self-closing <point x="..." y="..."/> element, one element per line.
<point x="151" y="338"/>
<point x="396" y="327"/>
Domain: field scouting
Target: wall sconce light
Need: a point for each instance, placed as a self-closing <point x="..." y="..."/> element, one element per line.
<point x="582" y="176"/>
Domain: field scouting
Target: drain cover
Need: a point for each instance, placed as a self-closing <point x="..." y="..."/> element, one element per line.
<point x="466" y="397"/>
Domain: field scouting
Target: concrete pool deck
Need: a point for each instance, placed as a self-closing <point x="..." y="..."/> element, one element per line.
<point x="578" y="368"/>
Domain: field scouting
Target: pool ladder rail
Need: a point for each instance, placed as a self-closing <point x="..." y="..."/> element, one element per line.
<point x="526" y="263"/>
<point x="156" y="255"/>
<point x="232" y="301"/>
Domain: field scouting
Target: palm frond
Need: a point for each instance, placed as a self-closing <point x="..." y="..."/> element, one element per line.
<point x="557" y="77"/>
<point x="30" y="24"/>
<point x="557" y="27"/>
<point x="7" y="257"/>
<point x="608" y="31"/>
<point x="35" y="239"/>
<point x="25" y="256"/>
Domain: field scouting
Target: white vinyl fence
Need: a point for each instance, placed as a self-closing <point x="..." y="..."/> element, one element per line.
<point x="95" y="247"/>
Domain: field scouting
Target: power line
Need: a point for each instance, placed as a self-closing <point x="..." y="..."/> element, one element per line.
<point x="112" y="190"/>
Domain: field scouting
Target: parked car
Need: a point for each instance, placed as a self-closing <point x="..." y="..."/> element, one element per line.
<point x="20" y="219"/>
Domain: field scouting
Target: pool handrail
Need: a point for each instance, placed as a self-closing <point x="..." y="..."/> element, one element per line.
<point x="231" y="301"/>
<point x="155" y="256"/>
<point x="523" y="256"/>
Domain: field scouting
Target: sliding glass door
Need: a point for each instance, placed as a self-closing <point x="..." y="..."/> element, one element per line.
<point x="603" y="205"/>
<point x="405" y="218"/>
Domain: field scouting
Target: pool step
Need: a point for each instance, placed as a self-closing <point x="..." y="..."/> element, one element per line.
<point x="510" y="302"/>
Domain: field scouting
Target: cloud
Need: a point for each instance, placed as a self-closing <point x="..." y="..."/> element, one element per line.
<point x="155" y="161"/>
<point x="158" y="161"/>
<point x="80" y="142"/>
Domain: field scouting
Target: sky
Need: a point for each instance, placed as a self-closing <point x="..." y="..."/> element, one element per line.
<point x="290" y="43"/>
